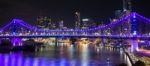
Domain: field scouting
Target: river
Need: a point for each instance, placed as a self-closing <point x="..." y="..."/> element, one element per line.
<point x="72" y="55"/>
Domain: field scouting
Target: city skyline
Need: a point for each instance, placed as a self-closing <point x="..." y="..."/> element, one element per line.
<point x="74" y="33"/>
<point x="64" y="10"/>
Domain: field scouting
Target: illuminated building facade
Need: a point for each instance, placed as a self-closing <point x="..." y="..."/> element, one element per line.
<point x="77" y="21"/>
<point x="45" y="23"/>
<point x="88" y="23"/>
<point x="61" y="24"/>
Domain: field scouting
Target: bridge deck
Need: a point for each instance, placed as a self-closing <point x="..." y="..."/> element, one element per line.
<point x="81" y="36"/>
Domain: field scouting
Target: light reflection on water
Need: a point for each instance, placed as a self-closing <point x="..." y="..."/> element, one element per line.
<point x="83" y="55"/>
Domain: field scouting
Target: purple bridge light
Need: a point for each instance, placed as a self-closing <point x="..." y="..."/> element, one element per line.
<point x="34" y="31"/>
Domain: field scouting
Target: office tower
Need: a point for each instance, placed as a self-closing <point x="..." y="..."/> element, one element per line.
<point x="77" y="21"/>
<point x="45" y="23"/>
<point x="88" y="23"/>
<point x="61" y="24"/>
<point x="127" y="5"/>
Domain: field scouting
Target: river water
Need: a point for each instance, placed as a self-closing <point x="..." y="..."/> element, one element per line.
<point x="72" y="55"/>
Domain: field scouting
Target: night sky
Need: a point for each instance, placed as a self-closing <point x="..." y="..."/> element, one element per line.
<point x="99" y="10"/>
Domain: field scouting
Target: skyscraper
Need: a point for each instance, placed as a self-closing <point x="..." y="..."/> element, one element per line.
<point x="45" y="23"/>
<point x="127" y="5"/>
<point x="118" y="14"/>
<point x="77" y="21"/>
<point x="61" y="24"/>
<point x="88" y="23"/>
<point x="127" y="8"/>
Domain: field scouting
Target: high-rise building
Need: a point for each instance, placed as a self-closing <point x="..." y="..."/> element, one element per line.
<point x="127" y="8"/>
<point x="45" y="23"/>
<point x="118" y="14"/>
<point x="127" y="5"/>
<point x="88" y="23"/>
<point x="40" y="22"/>
<point x="61" y="24"/>
<point x="77" y="21"/>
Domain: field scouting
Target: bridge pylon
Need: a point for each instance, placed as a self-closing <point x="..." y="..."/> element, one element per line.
<point x="133" y="24"/>
<point x="134" y="32"/>
<point x="16" y="41"/>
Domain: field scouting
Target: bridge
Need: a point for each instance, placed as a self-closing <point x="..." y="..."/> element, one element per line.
<point x="130" y="26"/>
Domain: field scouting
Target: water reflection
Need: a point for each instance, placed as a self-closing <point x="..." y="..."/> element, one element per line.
<point x="84" y="55"/>
<point x="73" y="55"/>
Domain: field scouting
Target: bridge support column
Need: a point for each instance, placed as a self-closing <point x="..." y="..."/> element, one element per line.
<point x="16" y="41"/>
<point x="134" y="45"/>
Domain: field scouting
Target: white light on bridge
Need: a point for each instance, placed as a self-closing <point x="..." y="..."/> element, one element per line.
<point x="134" y="16"/>
<point x="134" y="33"/>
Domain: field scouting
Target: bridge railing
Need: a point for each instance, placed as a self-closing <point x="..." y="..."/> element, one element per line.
<point x="73" y="34"/>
